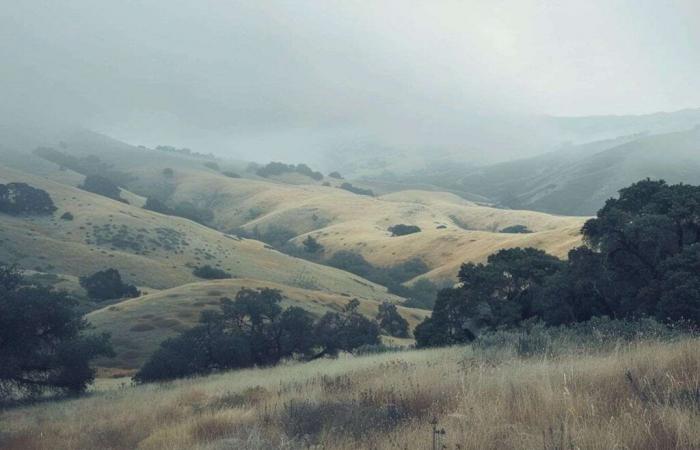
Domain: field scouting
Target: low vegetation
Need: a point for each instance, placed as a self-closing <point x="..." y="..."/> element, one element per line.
<point x="403" y="229"/>
<point x="516" y="229"/>
<point x="210" y="273"/>
<point x="356" y="190"/>
<point x="85" y="165"/>
<point x="603" y="392"/>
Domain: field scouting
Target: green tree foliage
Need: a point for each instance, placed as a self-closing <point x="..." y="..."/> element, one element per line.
<point x="43" y="345"/>
<point x="641" y="258"/>
<point x="278" y="168"/>
<point x="335" y="175"/>
<point x="154" y="204"/>
<point x="106" y="285"/>
<point x="403" y="229"/>
<point x="312" y="246"/>
<point x="253" y="330"/>
<point x="21" y="198"/>
<point x="518" y="229"/>
<point x="85" y="165"/>
<point x="98" y="184"/>
<point x="190" y="211"/>
<point x="210" y="273"/>
<point x="356" y="190"/>
<point x="390" y="321"/>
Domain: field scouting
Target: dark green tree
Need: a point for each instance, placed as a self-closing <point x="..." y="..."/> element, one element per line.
<point x="21" y="198"/>
<point x="98" y="184"/>
<point x="107" y="284"/>
<point x="391" y="321"/>
<point x="311" y="245"/>
<point x="43" y="344"/>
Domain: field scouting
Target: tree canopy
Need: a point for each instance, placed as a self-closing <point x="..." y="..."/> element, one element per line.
<point x="641" y="258"/>
<point x="107" y="284"/>
<point x="254" y="330"/>
<point x="21" y="198"/>
<point x="43" y="344"/>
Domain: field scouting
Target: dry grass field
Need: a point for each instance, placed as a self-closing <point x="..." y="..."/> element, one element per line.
<point x="641" y="396"/>
<point x="149" y="249"/>
<point x="139" y="325"/>
<point x="454" y="230"/>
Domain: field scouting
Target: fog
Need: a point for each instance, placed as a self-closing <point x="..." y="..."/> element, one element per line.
<point x="298" y="79"/>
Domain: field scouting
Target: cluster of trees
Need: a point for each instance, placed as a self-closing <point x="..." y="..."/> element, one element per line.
<point x="278" y="168"/>
<point x="641" y="258"/>
<point x="184" y="151"/>
<point x="85" y="165"/>
<point x="403" y="229"/>
<point x="357" y="190"/>
<point x="107" y="285"/>
<point x="44" y="346"/>
<point x="516" y="229"/>
<point x="101" y="185"/>
<point x="21" y="198"/>
<point x="421" y="294"/>
<point x="210" y="273"/>
<point x="254" y="330"/>
<point x="188" y="210"/>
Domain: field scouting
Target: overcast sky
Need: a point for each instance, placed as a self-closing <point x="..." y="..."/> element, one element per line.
<point x="250" y="75"/>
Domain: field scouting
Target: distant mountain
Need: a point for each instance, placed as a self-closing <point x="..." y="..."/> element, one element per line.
<point x="577" y="180"/>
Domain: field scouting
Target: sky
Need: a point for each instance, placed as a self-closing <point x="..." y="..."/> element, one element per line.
<point x="288" y="77"/>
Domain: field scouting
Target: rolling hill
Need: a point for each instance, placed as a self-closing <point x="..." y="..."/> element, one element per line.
<point x="578" y="180"/>
<point x="151" y="250"/>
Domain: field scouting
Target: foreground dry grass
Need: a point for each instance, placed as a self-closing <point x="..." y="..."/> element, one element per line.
<point x="640" y="396"/>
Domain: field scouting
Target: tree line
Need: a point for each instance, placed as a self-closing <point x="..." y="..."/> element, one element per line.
<point x="640" y="258"/>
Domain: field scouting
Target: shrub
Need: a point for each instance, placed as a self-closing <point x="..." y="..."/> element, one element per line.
<point x="21" y="198"/>
<point x="98" y="184"/>
<point x="522" y="229"/>
<point x="106" y="285"/>
<point x="190" y="211"/>
<point x="210" y="273"/>
<point x="211" y="165"/>
<point x="311" y="245"/>
<point x="168" y="172"/>
<point x="402" y="229"/>
<point x="67" y="216"/>
<point x="230" y="174"/>
<point x="356" y="190"/>
<point x="335" y="175"/>
<point x="153" y="204"/>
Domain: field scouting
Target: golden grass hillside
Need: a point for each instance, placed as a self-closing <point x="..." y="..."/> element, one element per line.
<point x="640" y="396"/>
<point x="139" y="325"/>
<point x="149" y="249"/>
<point x="454" y="230"/>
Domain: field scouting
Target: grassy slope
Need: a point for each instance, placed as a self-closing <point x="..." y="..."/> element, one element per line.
<point x="342" y="220"/>
<point x="70" y="247"/>
<point x="387" y="401"/>
<point x="139" y="325"/>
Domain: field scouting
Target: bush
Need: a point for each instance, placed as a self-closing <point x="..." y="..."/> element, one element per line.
<point x="211" y="165"/>
<point x="356" y="190"/>
<point x="521" y="229"/>
<point x="190" y="211"/>
<point x="153" y="204"/>
<point x="168" y="172"/>
<point x="97" y="184"/>
<point x="107" y="285"/>
<point x="335" y="175"/>
<point x="402" y="229"/>
<point x="21" y="198"/>
<point x="230" y="174"/>
<point x="311" y="245"/>
<point x="210" y="273"/>
<point x="67" y="216"/>
<point x="278" y="168"/>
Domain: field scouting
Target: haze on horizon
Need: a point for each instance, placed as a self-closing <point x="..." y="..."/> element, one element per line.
<point x="287" y="78"/>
